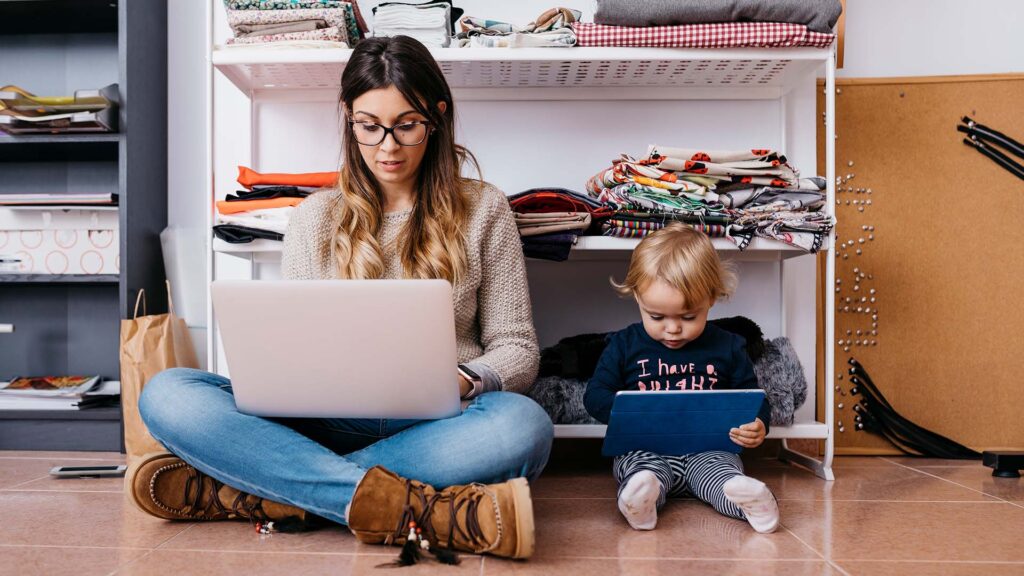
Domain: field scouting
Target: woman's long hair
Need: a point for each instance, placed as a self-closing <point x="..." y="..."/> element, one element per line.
<point x="433" y="243"/>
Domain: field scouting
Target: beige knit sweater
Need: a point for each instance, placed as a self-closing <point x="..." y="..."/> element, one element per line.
<point x="493" y="318"/>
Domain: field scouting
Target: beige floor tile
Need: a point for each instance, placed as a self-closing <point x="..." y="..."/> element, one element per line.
<point x="595" y="483"/>
<point x="36" y="466"/>
<point x="59" y="561"/>
<point x="863" y="483"/>
<point x="686" y="529"/>
<point x="925" y="462"/>
<point x="844" y="530"/>
<point x="16" y="471"/>
<point x="638" y="567"/>
<point x="241" y="537"/>
<point x="859" y="461"/>
<point x="981" y="478"/>
<point x="62" y="455"/>
<point x="70" y="484"/>
<point x="79" y="519"/>
<point x="179" y="563"/>
<point x="931" y="568"/>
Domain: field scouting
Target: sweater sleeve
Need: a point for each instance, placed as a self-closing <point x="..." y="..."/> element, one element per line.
<point x="743" y="377"/>
<point x="605" y="383"/>
<point x="296" y="254"/>
<point x="503" y="302"/>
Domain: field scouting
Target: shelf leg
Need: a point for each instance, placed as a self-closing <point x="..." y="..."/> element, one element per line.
<point x="821" y="468"/>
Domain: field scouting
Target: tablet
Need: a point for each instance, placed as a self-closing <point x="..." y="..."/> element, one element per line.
<point x="674" y="423"/>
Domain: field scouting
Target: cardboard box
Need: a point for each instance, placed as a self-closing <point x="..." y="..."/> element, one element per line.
<point x="59" y="241"/>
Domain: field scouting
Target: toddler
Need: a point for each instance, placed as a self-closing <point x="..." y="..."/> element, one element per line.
<point x="675" y="276"/>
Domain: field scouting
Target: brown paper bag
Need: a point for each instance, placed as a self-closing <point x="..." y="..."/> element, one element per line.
<point x="149" y="345"/>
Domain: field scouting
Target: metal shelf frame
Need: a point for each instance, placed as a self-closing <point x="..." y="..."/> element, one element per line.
<point x="579" y="74"/>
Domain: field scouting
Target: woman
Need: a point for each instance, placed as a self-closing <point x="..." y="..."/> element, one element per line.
<point x="400" y="210"/>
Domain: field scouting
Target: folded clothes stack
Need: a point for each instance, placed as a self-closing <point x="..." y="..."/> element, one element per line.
<point x="551" y="219"/>
<point x="711" y="24"/>
<point x="263" y="209"/>
<point x="734" y="194"/>
<point x="323" y="23"/>
<point x="552" y="29"/>
<point x="789" y="215"/>
<point x="430" y="22"/>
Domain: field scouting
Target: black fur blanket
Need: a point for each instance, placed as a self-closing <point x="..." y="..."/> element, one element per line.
<point x="566" y="367"/>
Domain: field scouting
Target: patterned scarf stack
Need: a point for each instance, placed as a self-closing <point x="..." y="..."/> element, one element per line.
<point x="551" y="29"/>
<point x="733" y="194"/>
<point x="324" y="23"/>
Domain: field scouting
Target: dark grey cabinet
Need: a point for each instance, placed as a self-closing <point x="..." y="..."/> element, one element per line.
<point x="69" y="324"/>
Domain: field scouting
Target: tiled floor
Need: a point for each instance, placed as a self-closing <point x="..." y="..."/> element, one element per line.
<point x="881" y="516"/>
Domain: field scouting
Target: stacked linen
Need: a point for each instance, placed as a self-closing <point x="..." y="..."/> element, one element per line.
<point x="638" y="187"/>
<point x="263" y="209"/>
<point x="733" y="194"/>
<point x="711" y="24"/>
<point x="325" y="23"/>
<point x="817" y="15"/>
<point x="723" y="35"/>
<point x="551" y="219"/>
<point x="552" y="29"/>
<point x="430" y="22"/>
<point x="764" y="194"/>
<point x="756" y="166"/>
<point x="791" y="215"/>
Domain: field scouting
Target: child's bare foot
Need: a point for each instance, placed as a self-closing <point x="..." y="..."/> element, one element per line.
<point x="638" y="500"/>
<point x="755" y="500"/>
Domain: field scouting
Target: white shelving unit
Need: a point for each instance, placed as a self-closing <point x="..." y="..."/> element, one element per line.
<point x="290" y="77"/>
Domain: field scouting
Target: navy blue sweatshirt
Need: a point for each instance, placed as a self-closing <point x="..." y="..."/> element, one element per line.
<point x="716" y="360"/>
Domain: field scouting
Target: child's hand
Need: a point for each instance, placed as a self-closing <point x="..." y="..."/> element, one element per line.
<point x="749" y="435"/>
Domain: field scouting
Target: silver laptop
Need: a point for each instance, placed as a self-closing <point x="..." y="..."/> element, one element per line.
<point x="340" y="348"/>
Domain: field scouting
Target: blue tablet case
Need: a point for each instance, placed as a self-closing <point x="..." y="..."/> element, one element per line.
<point x="674" y="423"/>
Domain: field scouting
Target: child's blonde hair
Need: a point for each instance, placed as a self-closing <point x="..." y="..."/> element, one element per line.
<point x="684" y="259"/>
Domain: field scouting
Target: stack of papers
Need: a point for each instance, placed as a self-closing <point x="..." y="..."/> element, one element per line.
<point x="430" y="23"/>
<point x="58" y="393"/>
<point x="56" y="200"/>
<point x="22" y="112"/>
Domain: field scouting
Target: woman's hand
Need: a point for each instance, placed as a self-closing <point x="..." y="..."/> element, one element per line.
<point x="465" y="386"/>
<point x="749" y="435"/>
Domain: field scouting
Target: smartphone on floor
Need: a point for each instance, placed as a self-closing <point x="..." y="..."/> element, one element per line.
<point x="87" y="471"/>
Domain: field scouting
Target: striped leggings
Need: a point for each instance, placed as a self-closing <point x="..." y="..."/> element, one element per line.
<point x="700" y="474"/>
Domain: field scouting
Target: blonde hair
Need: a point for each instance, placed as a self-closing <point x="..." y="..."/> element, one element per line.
<point x="433" y="241"/>
<point x="682" y="258"/>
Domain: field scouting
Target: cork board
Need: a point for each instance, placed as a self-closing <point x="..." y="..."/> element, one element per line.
<point x="940" y="229"/>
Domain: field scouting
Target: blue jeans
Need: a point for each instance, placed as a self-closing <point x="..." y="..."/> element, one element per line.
<point x="315" y="464"/>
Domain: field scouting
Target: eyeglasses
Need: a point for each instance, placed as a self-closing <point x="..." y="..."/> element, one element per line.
<point x="405" y="134"/>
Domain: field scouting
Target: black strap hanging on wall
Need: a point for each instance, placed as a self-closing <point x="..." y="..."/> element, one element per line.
<point x="987" y="141"/>
<point x="875" y="414"/>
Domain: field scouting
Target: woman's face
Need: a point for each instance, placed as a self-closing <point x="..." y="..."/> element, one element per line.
<point x="393" y="164"/>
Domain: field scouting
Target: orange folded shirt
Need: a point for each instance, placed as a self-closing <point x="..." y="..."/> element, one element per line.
<point x="249" y="178"/>
<point x="225" y="207"/>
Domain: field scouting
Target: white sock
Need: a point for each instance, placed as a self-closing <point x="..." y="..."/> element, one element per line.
<point x="638" y="500"/>
<point x="755" y="500"/>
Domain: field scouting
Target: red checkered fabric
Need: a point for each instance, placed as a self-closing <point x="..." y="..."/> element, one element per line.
<point x="724" y="35"/>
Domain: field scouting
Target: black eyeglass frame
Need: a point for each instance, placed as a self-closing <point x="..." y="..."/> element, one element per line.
<point x="391" y="131"/>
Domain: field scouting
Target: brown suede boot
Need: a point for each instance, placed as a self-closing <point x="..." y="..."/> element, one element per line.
<point x="167" y="487"/>
<point x="481" y="519"/>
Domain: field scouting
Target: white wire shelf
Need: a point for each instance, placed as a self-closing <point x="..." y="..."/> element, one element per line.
<point x="759" y="249"/>
<point x="587" y="247"/>
<point x="551" y="73"/>
<point x="807" y="430"/>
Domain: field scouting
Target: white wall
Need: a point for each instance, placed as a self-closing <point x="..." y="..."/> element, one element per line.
<point x="933" y="37"/>
<point x="188" y="84"/>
